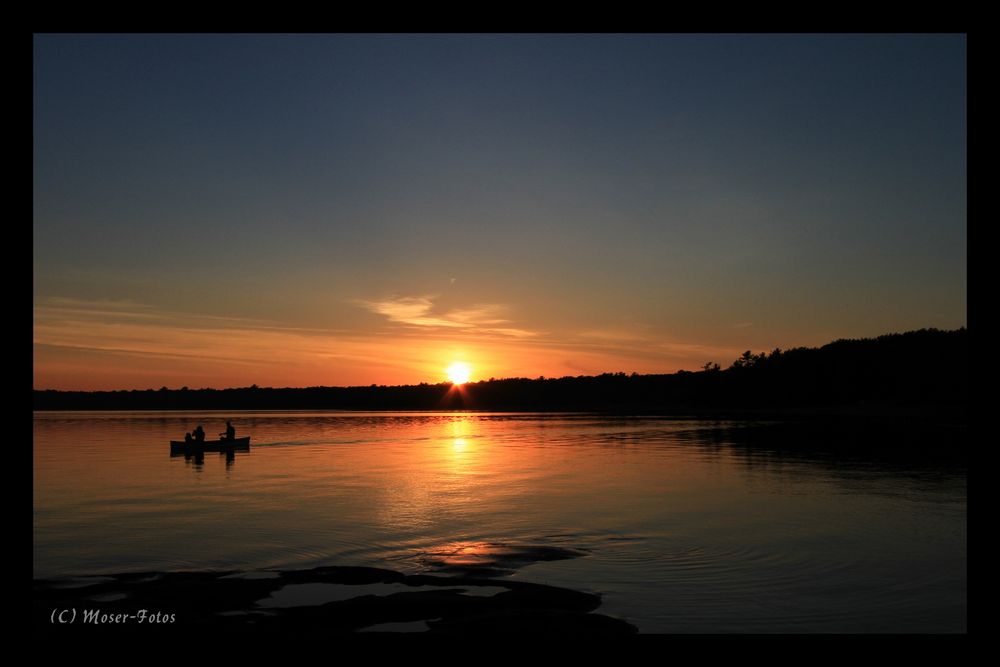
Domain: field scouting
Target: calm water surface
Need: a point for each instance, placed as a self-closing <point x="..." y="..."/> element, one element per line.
<point x="681" y="531"/>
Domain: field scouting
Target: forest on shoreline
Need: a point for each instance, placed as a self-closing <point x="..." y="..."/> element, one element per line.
<point x="904" y="371"/>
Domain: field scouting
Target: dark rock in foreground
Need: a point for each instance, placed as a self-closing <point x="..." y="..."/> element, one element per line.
<point x="325" y="599"/>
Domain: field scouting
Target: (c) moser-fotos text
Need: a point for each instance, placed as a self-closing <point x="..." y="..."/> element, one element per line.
<point x="98" y="617"/>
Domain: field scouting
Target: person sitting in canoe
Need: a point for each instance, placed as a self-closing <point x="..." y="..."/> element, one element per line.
<point x="230" y="432"/>
<point x="199" y="434"/>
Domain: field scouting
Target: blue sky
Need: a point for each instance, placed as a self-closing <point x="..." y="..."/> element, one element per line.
<point x="677" y="198"/>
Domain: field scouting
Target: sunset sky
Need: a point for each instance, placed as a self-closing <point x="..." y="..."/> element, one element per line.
<point x="227" y="210"/>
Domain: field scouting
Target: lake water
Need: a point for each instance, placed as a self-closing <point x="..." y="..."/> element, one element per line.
<point x="680" y="530"/>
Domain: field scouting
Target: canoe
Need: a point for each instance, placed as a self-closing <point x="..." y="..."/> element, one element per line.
<point x="209" y="445"/>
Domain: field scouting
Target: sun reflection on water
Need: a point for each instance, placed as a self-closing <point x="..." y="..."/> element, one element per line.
<point x="447" y="478"/>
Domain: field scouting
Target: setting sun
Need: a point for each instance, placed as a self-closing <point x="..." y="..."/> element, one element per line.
<point x="459" y="372"/>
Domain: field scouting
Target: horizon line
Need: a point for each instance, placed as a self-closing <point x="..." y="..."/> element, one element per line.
<point x="254" y="386"/>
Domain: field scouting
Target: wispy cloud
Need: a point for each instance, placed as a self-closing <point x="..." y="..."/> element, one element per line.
<point x="512" y="332"/>
<point x="122" y="344"/>
<point x="417" y="311"/>
<point x="615" y="335"/>
<point x="121" y="311"/>
<point x="648" y="346"/>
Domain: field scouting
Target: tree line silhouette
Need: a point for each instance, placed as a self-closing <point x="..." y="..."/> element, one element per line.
<point x="906" y="370"/>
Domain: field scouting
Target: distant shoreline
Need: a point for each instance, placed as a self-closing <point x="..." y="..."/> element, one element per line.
<point x="952" y="413"/>
<point x="905" y="375"/>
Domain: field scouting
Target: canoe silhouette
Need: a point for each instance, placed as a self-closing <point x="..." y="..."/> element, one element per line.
<point x="210" y="445"/>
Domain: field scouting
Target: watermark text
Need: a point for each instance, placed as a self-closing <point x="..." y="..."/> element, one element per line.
<point x="98" y="617"/>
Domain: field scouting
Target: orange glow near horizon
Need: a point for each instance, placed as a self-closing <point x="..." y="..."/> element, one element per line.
<point x="85" y="346"/>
